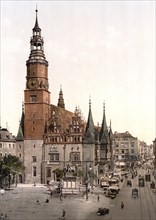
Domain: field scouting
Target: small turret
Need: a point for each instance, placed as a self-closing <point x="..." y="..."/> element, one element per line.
<point x="20" y="134"/>
<point x="61" y="99"/>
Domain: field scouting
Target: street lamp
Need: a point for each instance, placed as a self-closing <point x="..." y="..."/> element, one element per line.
<point x="64" y="148"/>
<point x="87" y="179"/>
<point x="2" y="191"/>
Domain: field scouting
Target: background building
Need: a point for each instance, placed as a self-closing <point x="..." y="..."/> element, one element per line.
<point x="126" y="148"/>
<point x="7" y="143"/>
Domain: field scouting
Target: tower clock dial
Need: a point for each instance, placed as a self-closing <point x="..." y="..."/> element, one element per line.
<point x="33" y="84"/>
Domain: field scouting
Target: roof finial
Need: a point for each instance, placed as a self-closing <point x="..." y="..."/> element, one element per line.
<point x="22" y="106"/>
<point x="36" y="9"/>
<point x="104" y="106"/>
<point x="36" y="23"/>
<point x="89" y="102"/>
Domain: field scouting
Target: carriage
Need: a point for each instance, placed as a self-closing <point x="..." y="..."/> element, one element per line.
<point x="134" y="193"/>
<point x="102" y="211"/>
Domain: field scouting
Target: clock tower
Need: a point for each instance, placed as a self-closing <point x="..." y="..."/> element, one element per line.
<point x="36" y="94"/>
<point x="36" y="106"/>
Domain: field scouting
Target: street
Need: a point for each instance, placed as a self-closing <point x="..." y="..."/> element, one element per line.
<point x="20" y="203"/>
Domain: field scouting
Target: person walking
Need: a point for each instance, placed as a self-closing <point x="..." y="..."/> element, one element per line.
<point x="122" y="205"/>
<point x="1" y="216"/>
<point x="37" y="202"/>
<point x="47" y="201"/>
<point x="98" y="198"/>
<point x="63" y="214"/>
<point x="60" y="196"/>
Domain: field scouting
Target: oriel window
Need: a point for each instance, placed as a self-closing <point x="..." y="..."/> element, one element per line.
<point x="34" y="171"/>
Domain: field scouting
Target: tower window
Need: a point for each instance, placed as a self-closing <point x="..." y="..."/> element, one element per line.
<point x="33" y="98"/>
<point x="34" y="159"/>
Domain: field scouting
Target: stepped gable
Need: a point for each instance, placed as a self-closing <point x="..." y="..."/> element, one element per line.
<point x="63" y="122"/>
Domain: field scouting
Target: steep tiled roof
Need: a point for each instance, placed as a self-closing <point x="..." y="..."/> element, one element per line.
<point x="6" y="136"/>
<point x="104" y="138"/>
<point x="89" y="137"/>
<point x="123" y="135"/>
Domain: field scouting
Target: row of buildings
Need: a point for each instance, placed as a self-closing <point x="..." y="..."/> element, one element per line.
<point x="50" y="137"/>
<point x="125" y="149"/>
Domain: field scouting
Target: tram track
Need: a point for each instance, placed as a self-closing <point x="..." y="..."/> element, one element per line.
<point x="154" y="206"/>
<point x="146" y="201"/>
<point x="143" y="200"/>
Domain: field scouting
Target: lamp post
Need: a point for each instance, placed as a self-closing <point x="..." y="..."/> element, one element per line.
<point x="87" y="179"/>
<point x="64" y="156"/>
<point x="86" y="182"/>
<point x="90" y="169"/>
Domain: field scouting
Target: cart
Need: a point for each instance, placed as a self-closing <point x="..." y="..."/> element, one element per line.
<point x="129" y="183"/>
<point x="141" y="181"/>
<point x="134" y="193"/>
<point x="102" y="211"/>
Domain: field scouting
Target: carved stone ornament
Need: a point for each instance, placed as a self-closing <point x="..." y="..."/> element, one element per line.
<point x="33" y="84"/>
<point x="53" y="148"/>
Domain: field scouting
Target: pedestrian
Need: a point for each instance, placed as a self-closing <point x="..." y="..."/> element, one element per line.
<point x="63" y="214"/>
<point x="60" y="196"/>
<point x="98" y="198"/>
<point x="37" y="202"/>
<point x="47" y="201"/>
<point x="6" y="217"/>
<point x="122" y="205"/>
<point x="51" y="193"/>
<point x="1" y="216"/>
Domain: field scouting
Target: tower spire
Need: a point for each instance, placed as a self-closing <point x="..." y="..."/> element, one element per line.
<point x="104" y="130"/>
<point x="36" y="22"/>
<point x="89" y="137"/>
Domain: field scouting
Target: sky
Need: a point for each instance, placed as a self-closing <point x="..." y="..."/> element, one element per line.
<point x="103" y="50"/>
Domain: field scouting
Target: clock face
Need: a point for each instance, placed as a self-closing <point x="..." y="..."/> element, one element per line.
<point x="33" y="84"/>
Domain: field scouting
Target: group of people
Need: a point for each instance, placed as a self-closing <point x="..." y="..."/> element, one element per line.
<point x="4" y="217"/>
<point x="38" y="203"/>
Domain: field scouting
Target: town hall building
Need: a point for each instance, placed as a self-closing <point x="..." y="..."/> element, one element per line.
<point x="53" y="138"/>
